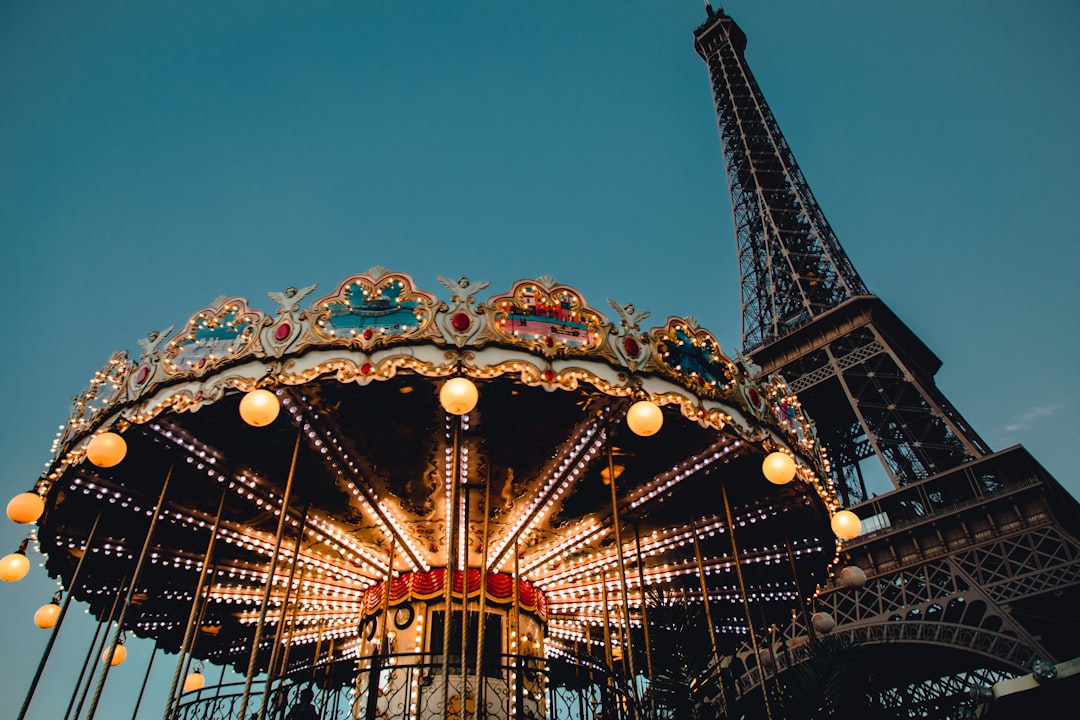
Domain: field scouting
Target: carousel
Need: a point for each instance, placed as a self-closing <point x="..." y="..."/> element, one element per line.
<point x="379" y="504"/>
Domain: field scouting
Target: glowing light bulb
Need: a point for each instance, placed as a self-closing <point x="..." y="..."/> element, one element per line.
<point x="458" y="395"/>
<point x="645" y="418"/>
<point x="846" y="525"/>
<point x="25" y="507"/>
<point x="259" y="408"/>
<point x="106" y="449"/>
<point x="46" y="615"/>
<point x="119" y="654"/>
<point x="778" y="468"/>
<point x="194" y="681"/>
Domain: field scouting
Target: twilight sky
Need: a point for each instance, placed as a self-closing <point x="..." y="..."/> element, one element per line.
<point x="154" y="156"/>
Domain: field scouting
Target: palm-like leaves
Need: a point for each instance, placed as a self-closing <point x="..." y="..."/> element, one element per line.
<point x="685" y="680"/>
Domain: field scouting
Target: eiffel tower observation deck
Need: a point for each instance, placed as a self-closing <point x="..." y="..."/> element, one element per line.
<point x="972" y="558"/>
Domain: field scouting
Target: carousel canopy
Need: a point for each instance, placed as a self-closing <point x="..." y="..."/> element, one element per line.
<point x="378" y="480"/>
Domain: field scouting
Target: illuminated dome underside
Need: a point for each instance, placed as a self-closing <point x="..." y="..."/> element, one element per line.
<point x="375" y="460"/>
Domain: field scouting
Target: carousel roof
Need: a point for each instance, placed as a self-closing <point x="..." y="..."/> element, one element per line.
<point x="376" y="472"/>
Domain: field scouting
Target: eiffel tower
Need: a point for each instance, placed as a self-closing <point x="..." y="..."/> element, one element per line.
<point x="972" y="560"/>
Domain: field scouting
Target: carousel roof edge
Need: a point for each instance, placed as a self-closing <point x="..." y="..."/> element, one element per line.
<point x="376" y="324"/>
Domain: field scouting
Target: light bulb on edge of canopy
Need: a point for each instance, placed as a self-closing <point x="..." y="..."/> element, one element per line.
<point x="645" y="418"/>
<point x="46" y="615"/>
<point x="194" y="681"/>
<point x="778" y="468"/>
<point x="106" y="449"/>
<point x="458" y="395"/>
<point x="259" y="408"/>
<point x="118" y="656"/>
<point x="25" y="508"/>
<point x="846" y="525"/>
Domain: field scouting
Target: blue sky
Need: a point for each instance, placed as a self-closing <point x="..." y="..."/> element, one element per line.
<point x="154" y="156"/>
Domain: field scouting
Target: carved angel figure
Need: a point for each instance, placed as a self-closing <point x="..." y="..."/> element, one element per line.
<point x="629" y="317"/>
<point x="289" y="301"/>
<point x="751" y="368"/>
<point x="153" y="339"/>
<point x="463" y="288"/>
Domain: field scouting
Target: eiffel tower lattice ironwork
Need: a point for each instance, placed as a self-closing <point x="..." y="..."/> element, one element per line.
<point x="973" y="551"/>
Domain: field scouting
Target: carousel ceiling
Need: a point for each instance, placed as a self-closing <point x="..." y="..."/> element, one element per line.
<point x="373" y="475"/>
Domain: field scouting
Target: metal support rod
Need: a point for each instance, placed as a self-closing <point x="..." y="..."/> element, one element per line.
<point x="198" y="624"/>
<point x="463" y="542"/>
<point x="130" y="594"/>
<point x="103" y="623"/>
<point x="375" y="670"/>
<point x="645" y="624"/>
<point x="289" y="637"/>
<point x="798" y="590"/>
<point x="326" y="678"/>
<point x="280" y="631"/>
<point x="59" y="619"/>
<point x="146" y="679"/>
<point x="318" y="650"/>
<point x="196" y="600"/>
<point x="629" y="650"/>
<point x="644" y="612"/>
<point x="608" y="662"/>
<point x="708" y="612"/>
<point x="99" y="650"/>
<point x="386" y="598"/>
<point x="704" y="590"/>
<point x="451" y="550"/>
<point x="480" y="631"/>
<point x="89" y="663"/>
<point x="745" y="599"/>
<point x="269" y="586"/>
<point x="517" y="627"/>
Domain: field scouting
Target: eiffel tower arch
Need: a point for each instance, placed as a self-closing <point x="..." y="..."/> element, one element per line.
<point x="972" y="560"/>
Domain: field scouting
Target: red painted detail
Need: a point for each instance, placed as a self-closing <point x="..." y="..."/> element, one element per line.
<point x="630" y="345"/>
<point x="461" y="322"/>
<point x="430" y="585"/>
<point x="368" y="333"/>
<point x="140" y="377"/>
<point x="283" y="331"/>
